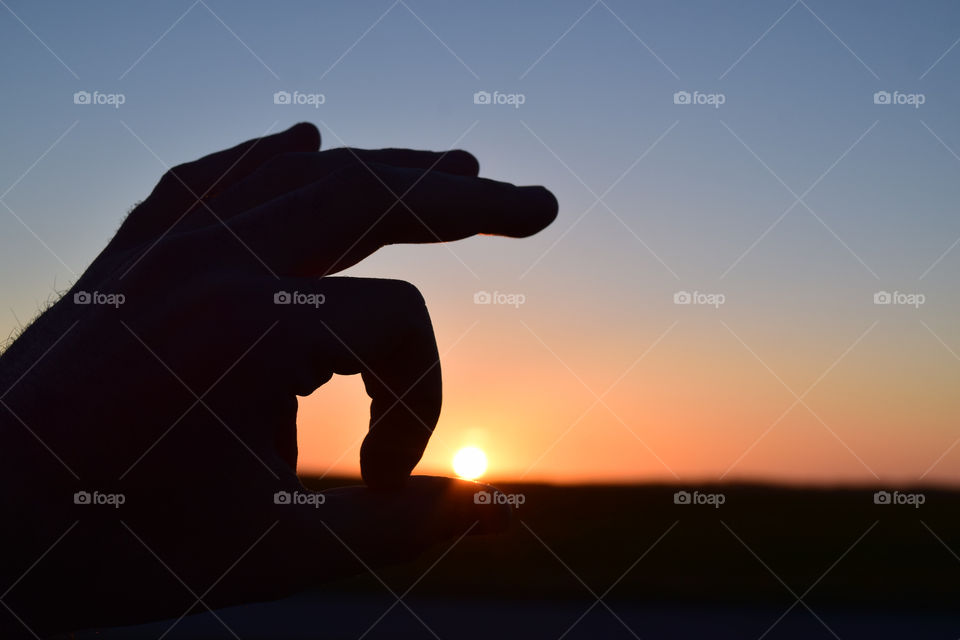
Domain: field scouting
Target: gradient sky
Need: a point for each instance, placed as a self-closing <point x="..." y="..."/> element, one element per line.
<point x="797" y="200"/>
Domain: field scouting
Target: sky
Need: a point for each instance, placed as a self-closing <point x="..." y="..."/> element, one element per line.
<point x="789" y="169"/>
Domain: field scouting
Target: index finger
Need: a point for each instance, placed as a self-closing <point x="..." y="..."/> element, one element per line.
<point x="290" y="171"/>
<point x="338" y="221"/>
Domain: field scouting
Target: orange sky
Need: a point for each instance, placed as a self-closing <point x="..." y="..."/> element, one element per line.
<point x="694" y="408"/>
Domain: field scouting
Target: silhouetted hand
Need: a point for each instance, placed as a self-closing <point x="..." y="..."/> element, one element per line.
<point x="166" y="380"/>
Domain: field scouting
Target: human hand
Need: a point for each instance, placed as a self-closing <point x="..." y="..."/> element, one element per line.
<point x="168" y="375"/>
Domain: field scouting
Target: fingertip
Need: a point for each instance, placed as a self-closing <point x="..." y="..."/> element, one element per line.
<point x="460" y="506"/>
<point x="464" y="162"/>
<point x="491" y="516"/>
<point x="551" y="206"/>
<point x="456" y="505"/>
<point x="540" y="208"/>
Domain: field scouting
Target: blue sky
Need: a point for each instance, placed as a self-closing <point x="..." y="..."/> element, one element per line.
<point x="696" y="193"/>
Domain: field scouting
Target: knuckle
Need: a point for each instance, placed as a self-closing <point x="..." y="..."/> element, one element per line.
<point x="176" y="176"/>
<point x="405" y="295"/>
<point x="341" y="156"/>
<point x="411" y="316"/>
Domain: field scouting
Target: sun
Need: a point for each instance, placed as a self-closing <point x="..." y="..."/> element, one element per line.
<point x="469" y="463"/>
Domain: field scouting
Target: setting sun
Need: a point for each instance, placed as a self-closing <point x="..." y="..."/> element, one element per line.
<point x="470" y="463"/>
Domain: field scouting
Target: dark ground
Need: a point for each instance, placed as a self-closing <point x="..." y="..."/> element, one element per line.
<point x="771" y="562"/>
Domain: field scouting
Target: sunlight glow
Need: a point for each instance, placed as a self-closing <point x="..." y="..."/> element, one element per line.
<point x="469" y="463"/>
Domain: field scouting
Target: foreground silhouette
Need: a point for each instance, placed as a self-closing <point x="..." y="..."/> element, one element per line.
<point x="148" y="438"/>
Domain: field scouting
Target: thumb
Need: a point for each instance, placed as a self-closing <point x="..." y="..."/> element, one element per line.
<point x="318" y="537"/>
<point x="354" y="530"/>
<point x="398" y="525"/>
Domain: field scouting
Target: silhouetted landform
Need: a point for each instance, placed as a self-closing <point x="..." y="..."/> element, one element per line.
<point x="799" y="533"/>
<point x="662" y="569"/>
